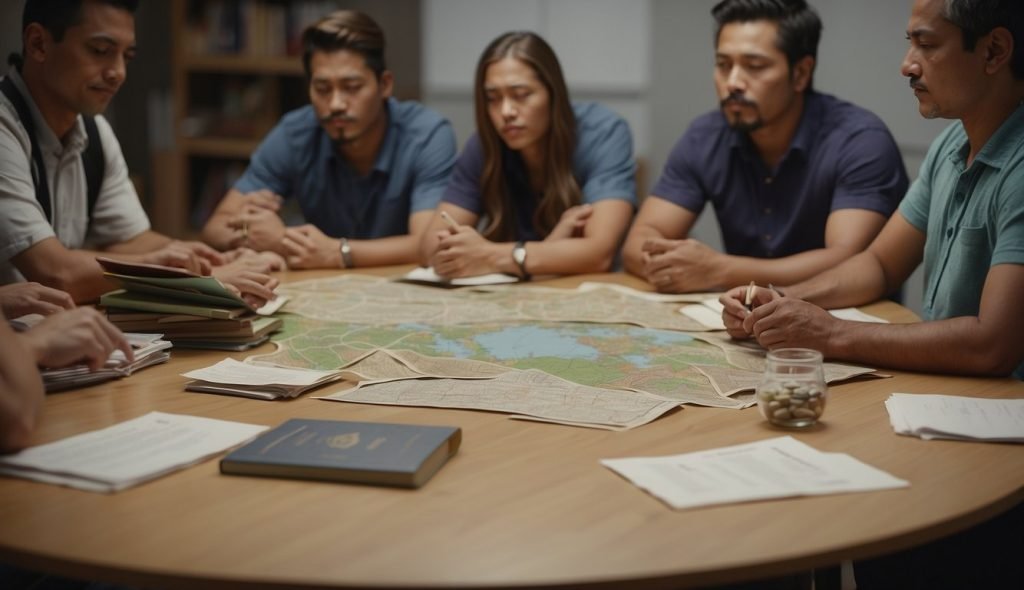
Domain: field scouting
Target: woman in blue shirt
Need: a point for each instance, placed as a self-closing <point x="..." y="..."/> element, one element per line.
<point x="549" y="184"/>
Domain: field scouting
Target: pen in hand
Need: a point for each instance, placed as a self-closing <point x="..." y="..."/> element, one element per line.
<point x="449" y="221"/>
<point x="748" y="301"/>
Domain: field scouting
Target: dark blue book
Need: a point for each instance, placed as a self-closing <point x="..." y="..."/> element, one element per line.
<point x="404" y="455"/>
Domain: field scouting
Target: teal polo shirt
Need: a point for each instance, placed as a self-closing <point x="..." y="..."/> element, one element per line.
<point x="973" y="217"/>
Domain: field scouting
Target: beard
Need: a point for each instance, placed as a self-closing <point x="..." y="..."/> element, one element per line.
<point x="342" y="139"/>
<point x="735" y="120"/>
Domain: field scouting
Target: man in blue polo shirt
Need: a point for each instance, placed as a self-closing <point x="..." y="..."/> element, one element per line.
<point x="367" y="170"/>
<point x="799" y="180"/>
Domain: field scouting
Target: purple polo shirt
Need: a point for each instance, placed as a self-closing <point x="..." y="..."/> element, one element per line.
<point x="602" y="164"/>
<point x="842" y="157"/>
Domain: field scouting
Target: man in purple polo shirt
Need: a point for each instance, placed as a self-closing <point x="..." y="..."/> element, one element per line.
<point x="799" y="180"/>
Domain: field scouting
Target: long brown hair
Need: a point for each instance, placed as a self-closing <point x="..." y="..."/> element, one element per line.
<point x="561" y="190"/>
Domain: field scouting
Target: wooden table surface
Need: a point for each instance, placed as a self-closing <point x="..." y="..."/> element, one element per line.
<point x="523" y="504"/>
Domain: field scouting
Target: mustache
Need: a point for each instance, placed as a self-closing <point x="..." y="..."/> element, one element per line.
<point x="915" y="83"/>
<point x="337" y="117"/>
<point x="738" y="99"/>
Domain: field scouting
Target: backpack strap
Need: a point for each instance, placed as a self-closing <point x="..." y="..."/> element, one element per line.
<point x="92" y="158"/>
<point x="39" y="169"/>
<point x="94" y="164"/>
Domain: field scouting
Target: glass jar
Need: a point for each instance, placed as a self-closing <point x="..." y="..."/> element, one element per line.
<point x="792" y="392"/>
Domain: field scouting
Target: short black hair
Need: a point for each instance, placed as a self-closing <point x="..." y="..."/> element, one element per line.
<point x="977" y="18"/>
<point x="345" y="30"/>
<point x="57" y="16"/>
<point x="799" y="25"/>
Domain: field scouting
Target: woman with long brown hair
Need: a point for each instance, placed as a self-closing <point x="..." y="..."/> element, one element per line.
<point x="549" y="184"/>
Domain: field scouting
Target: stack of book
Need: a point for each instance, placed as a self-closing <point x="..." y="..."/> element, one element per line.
<point x="148" y="350"/>
<point x="267" y="382"/>
<point x="189" y="310"/>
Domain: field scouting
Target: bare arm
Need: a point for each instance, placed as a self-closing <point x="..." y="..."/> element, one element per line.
<point x="847" y="232"/>
<point x="657" y="218"/>
<point x="77" y="273"/>
<point x="463" y="252"/>
<point x="986" y="344"/>
<point x="308" y="247"/>
<point x="21" y="391"/>
<point x="146" y="242"/>
<point x="870" y="275"/>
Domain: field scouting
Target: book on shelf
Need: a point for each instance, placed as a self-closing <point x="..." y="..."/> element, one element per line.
<point x="257" y="381"/>
<point x="403" y="455"/>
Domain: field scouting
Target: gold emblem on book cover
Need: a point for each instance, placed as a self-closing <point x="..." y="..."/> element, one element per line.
<point x="343" y="441"/>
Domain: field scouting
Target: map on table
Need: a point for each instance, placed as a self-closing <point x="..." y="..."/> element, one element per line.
<point x="382" y="332"/>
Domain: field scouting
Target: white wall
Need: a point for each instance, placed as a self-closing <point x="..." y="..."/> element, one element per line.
<point x="586" y="35"/>
<point x="651" y="60"/>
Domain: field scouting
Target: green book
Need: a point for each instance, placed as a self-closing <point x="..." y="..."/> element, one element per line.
<point x="403" y="455"/>
<point x="122" y="299"/>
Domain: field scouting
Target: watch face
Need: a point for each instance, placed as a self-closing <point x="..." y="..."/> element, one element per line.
<point x="519" y="255"/>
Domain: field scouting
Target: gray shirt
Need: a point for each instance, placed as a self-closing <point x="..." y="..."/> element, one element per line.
<point x="118" y="215"/>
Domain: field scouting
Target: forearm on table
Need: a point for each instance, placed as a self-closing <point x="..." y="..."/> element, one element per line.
<point x="144" y="243"/>
<point x="787" y="270"/>
<point x="75" y="272"/>
<point x="566" y="256"/>
<point x="385" y="251"/>
<point x="858" y="280"/>
<point x="961" y="345"/>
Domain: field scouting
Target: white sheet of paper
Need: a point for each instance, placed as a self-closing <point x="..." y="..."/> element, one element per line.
<point x="232" y="372"/>
<point x="855" y="315"/>
<point x="129" y="453"/>
<point x="956" y="417"/>
<point x="271" y="307"/>
<point x="422" y="274"/>
<point x="708" y="312"/>
<point x="775" y="468"/>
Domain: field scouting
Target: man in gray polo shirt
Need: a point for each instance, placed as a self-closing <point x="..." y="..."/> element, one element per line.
<point x="367" y="170"/>
<point x="73" y="65"/>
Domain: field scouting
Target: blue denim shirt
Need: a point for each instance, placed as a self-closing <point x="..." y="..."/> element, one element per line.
<point x="298" y="160"/>
<point x="841" y="157"/>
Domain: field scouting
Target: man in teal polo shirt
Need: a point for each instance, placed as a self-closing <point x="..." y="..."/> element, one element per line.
<point x="367" y="170"/>
<point x="964" y="215"/>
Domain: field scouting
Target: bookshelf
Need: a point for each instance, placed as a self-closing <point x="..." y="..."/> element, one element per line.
<point x="236" y="69"/>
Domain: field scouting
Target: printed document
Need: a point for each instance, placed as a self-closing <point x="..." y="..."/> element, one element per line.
<point x="129" y="453"/>
<point x="780" y="467"/>
<point x="955" y="417"/>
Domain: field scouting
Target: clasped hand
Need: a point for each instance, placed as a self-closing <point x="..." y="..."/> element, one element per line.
<point x="463" y="252"/>
<point x="776" y="321"/>
<point x="681" y="266"/>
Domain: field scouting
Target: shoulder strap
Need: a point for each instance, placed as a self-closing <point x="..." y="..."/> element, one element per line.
<point x="39" y="171"/>
<point x="94" y="164"/>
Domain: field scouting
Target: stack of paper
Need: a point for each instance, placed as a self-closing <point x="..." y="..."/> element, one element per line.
<point x="192" y="311"/>
<point x="129" y="453"/>
<point x="148" y="350"/>
<point x="775" y="468"/>
<point x="257" y="381"/>
<point x="955" y="417"/>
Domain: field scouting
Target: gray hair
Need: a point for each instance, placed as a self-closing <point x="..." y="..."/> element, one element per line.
<point x="977" y="18"/>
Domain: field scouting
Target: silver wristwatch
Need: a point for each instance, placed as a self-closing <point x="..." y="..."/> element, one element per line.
<point x="519" y="256"/>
